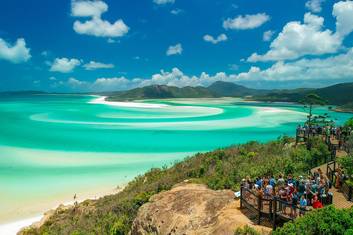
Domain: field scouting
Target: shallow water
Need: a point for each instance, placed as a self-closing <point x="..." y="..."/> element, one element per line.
<point x="53" y="146"/>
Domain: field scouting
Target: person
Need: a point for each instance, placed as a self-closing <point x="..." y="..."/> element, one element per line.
<point x="338" y="178"/>
<point x="283" y="197"/>
<point x="303" y="205"/>
<point x="295" y="200"/>
<point x="327" y="135"/>
<point x="301" y="187"/>
<point x="272" y="181"/>
<point x="268" y="190"/>
<point x="281" y="181"/>
<point x="316" y="203"/>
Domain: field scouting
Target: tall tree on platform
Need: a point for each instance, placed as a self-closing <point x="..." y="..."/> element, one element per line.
<point x="309" y="102"/>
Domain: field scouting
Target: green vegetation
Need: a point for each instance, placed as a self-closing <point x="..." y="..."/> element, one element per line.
<point x="340" y="94"/>
<point x="246" y="230"/>
<point x="345" y="108"/>
<point x="220" y="169"/>
<point x="162" y="92"/>
<point x="328" y="220"/>
<point x="349" y="123"/>
<point x="347" y="164"/>
<point x="310" y="101"/>
<point x="230" y="89"/>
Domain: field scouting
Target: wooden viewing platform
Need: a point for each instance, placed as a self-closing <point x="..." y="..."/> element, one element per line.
<point x="274" y="212"/>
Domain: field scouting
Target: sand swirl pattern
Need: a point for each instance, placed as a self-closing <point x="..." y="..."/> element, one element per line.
<point x="53" y="146"/>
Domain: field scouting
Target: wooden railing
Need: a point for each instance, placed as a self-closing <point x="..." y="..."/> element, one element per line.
<point x="346" y="189"/>
<point x="270" y="209"/>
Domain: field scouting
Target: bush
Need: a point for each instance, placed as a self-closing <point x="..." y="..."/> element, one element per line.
<point x="246" y="230"/>
<point x="328" y="220"/>
<point x="347" y="164"/>
<point x="349" y="123"/>
<point x="120" y="227"/>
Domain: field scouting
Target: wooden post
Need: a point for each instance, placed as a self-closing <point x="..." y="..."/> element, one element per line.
<point x="259" y="206"/>
<point x="274" y="212"/>
<point x="334" y="166"/>
<point x="271" y="208"/>
<point x="241" y="197"/>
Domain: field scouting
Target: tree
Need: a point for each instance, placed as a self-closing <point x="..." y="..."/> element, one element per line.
<point x="310" y="101"/>
<point x="347" y="164"/>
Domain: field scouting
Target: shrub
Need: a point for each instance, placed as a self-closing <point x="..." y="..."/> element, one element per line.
<point x="120" y="227"/>
<point x="246" y="230"/>
<point x="328" y="220"/>
<point x="347" y="164"/>
<point x="349" y="123"/>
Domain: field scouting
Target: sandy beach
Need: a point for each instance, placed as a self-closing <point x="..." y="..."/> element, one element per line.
<point x="30" y="215"/>
<point x="102" y="100"/>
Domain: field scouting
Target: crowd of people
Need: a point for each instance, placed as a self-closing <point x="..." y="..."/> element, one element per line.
<point x="328" y="132"/>
<point x="295" y="195"/>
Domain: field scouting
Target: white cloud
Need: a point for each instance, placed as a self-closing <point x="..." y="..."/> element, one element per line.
<point x="221" y="38"/>
<point x="52" y="78"/>
<point x="64" y="65"/>
<point x="110" y="40"/>
<point x="334" y="68"/>
<point x="16" y="53"/>
<point x="109" y="84"/>
<point x="96" y="26"/>
<point x="233" y="67"/>
<point x="246" y="22"/>
<point x="267" y="36"/>
<point x="162" y="2"/>
<point x="175" y="50"/>
<point x="314" y="5"/>
<point x="101" y="28"/>
<point x="297" y="40"/>
<point x="93" y="65"/>
<point x="176" y="11"/>
<point x="77" y="84"/>
<point x="84" y="8"/>
<point x="343" y="11"/>
<point x="45" y="53"/>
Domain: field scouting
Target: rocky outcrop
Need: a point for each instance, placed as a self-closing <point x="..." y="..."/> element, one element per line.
<point x="191" y="209"/>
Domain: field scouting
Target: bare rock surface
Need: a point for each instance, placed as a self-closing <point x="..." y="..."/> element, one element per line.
<point x="191" y="209"/>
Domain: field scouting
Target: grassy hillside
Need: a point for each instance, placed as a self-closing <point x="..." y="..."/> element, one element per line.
<point x="220" y="169"/>
<point x="340" y="94"/>
<point x="161" y="92"/>
<point x="233" y="90"/>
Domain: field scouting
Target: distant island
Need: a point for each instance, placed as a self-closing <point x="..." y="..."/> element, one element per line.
<point x="340" y="95"/>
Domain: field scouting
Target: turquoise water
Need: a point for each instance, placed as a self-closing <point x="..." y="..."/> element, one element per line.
<point x="53" y="146"/>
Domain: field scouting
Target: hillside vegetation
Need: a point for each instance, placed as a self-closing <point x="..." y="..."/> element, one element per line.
<point x="161" y="92"/>
<point x="328" y="220"/>
<point x="340" y="94"/>
<point x="220" y="169"/>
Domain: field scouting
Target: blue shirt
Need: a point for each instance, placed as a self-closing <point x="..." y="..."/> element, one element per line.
<point x="303" y="202"/>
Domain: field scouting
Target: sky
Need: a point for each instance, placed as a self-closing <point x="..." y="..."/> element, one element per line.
<point x="109" y="45"/>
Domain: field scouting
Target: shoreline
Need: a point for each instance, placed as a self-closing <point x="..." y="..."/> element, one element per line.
<point x="102" y="100"/>
<point x="12" y="227"/>
<point x="338" y="110"/>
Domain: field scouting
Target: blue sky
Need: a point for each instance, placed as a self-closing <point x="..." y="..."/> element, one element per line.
<point x="122" y="44"/>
